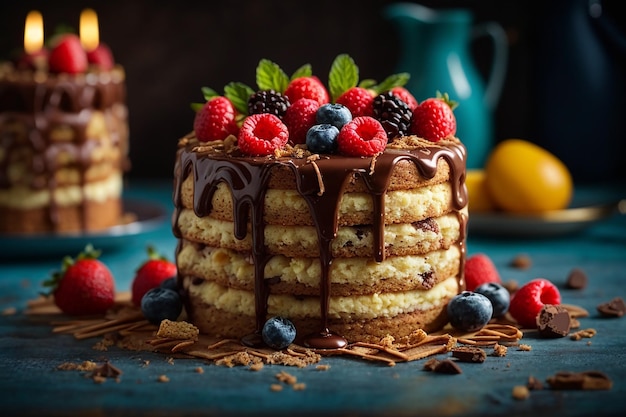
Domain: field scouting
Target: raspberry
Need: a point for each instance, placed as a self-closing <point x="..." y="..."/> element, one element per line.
<point x="261" y="134"/>
<point x="363" y="136"/>
<point x="307" y="87"/>
<point x="358" y="100"/>
<point x="299" y="118"/>
<point x="529" y="299"/>
<point x="215" y="120"/>
<point x="434" y="119"/>
<point x="479" y="269"/>
<point x="406" y="96"/>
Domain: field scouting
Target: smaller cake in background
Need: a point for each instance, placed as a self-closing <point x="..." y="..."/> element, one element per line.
<point x="63" y="140"/>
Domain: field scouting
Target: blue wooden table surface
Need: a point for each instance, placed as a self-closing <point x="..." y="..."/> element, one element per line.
<point x="31" y="385"/>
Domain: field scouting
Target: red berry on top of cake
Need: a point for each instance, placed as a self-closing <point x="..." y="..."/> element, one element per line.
<point x="323" y="207"/>
<point x="64" y="147"/>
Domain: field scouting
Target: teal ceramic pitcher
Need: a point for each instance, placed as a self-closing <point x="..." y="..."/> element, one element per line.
<point x="435" y="48"/>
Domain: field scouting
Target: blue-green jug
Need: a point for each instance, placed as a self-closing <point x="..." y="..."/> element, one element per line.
<point x="435" y="48"/>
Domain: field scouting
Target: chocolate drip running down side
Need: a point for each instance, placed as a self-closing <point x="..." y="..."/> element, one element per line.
<point x="248" y="177"/>
<point x="42" y="102"/>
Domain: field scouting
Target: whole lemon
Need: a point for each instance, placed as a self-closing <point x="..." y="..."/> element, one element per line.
<point x="477" y="192"/>
<point x="524" y="177"/>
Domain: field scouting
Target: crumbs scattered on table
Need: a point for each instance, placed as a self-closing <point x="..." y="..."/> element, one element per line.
<point x="585" y="333"/>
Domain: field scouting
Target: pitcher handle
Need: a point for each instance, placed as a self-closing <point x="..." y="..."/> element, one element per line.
<point x="497" y="73"/>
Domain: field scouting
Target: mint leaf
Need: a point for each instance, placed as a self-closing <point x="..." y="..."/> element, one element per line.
<point x="269" y="76"/>
<point x="367" y="83"/>
<point x="196" y="107"/>
<point x="304" y="71"/>
<point x="344" y="74"/>
<point x="238" y="94"/>
<point x="209" y="93"/>
<point x="395" y="80"/>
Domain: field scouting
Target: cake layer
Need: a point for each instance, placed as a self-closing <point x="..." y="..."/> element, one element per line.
<point x="25" y="198"/>
<point x="287" y="207"/>
<point x="301" y="276"/>
<point x="228" y="312"/>
<point x="419" y="237"/>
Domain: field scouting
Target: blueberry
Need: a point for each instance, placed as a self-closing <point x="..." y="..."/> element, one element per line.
<point x="498" y="295"/>
<point x="333" y="114"/>
<point x="159" y="304"/>
<point x="469" y="311"/>
<point x="170" y="283"/>
<point x="278" y="332"/>
<point x="322" y="138"/>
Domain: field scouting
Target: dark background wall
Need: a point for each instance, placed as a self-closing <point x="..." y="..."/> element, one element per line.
<point x="171" y="49"/>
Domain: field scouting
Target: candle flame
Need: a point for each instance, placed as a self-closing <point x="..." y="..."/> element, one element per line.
<point x="89" y="34"/>
<point x="33" y="32"/>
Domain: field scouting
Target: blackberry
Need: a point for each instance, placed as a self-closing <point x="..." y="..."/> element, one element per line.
<point x="268" y="101"/>
<point x="393" y="113"/>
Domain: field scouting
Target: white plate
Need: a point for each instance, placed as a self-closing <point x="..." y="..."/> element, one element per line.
<point x="551" y="223"/>
<point x="148" y="216"/>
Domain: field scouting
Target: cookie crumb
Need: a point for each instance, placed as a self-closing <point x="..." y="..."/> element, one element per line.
<point x="199" y="370"/>
<point x="525" y="347"/>
<point x="276" y="387"/>
<point x="521" y="261"/>
<point x="178" y="330"/>
<point x="256" y="366"/>
<point x="323" y="367"/>
<point x="499" y="350"/>
<point x="286" y="377"/>
<point x="300" y="386"/>
<point x="163" y="378"/>
<point x="585" y="333"/>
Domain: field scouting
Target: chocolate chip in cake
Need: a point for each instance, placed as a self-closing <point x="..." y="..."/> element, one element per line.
<point x="613" y="308"/>
<point x="577" y="279"/>
<point x="587" y="380"/>
<point x="428" y="224"/>
<point x="469" y="354"/>
<point x="553" y="321"/>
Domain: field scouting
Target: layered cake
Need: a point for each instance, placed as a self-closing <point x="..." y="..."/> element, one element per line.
<point x="348" y="245"/>
<point x="63" y="146"/>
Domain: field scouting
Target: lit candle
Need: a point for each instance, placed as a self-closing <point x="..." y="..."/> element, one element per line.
<point x="97" y="53"/>
<point x="33" y="33"/>
<point x="89" y="32"/>
<point x="35" y="55"/>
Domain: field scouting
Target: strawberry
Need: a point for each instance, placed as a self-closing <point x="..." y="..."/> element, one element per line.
<point x="151" y="274"/>
<point x="479" y="269"/>
<point x="101" y="57"/>
<point x="363" y="136"/>
<point x="299" y="118"/>
<point x="406" y="96"/>
<point x="261" y="134"/>
<point x="529" y="299"/>
<point x="215" y="120"/>
<point x="433" y="118"/>
<point x="307" y="87"/>
<point x="83" y="285"/>
<point x="359" y="100"/>
<point x="68" y="55"/>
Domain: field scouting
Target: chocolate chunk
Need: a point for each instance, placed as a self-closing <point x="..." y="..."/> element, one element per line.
<point x="445" y="366"/>
<point x="613" y="308"/>
<point x="469" y="354"/>
<point x="587" y="380"/>
<point x="534" y="384"/>
<point x="577" y="279"/>
<point x="553" y="321"/>
<point x="521" y="262"/>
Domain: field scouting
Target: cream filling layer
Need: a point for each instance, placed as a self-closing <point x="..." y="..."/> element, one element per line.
<point x="404" y="237"/>
<point x="237" y="268"/>
<point x="237" y="301"/>
<point x="25" y="198"/>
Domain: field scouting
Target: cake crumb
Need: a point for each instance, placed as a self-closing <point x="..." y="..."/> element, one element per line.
<point x="323" y="367"/>
<point x="300" y="386"/>
<point x="178" y="330"/>
<point x="286" y="377"/>
<point x="585" y="333"/>
<point x="499" y="350"/>
<point x="9" y="311"/>
<point x="71" y="366"/>
<point x="520" y="392"/>
<point x="163" y="378"/>
<point x="525" y="347"/>
<point x="256" y="366"/>
<point x="276" y="387"/>
<point x="521" y="261"/>
<point x="199" y="370"/>
<point x="170" y="360"/>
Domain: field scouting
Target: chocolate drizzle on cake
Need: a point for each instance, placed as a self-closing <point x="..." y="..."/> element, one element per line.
<point x="248" y="179"/>
<point x="36" y="106"/>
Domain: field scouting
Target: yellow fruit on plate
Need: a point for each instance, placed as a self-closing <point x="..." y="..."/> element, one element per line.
<point x="524" y="177"/>
<point x="477" y="193"/>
